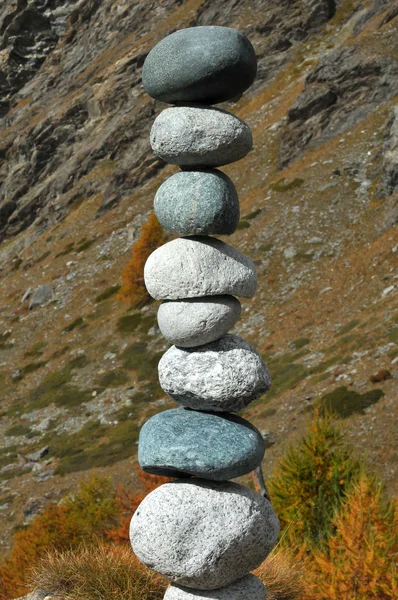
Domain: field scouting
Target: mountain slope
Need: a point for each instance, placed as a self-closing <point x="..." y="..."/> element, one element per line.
<point x="77" y="179"/>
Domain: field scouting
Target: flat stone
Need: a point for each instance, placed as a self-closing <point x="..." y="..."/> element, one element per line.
<point x="182" y="442"/>
<point x="200" y="64"/>
<point x="200" y="136"/>
<point x="197" y="321"/>
<point x="199" y="266"/>
<point x="203" y="535"/>
<point x="248" y="588"/>
<point x="198" y="203"/>
<point x="225" y="375"/>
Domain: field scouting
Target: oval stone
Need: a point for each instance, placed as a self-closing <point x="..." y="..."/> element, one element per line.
<point x="203" y="535"/>
<point x="197" y="321"/>
<point x="200" y="64"/>
<point x="200" y="136"/>
<point x="181" y="442"/>
<point x="198" y="203"/>
<point x="248" y="588"/>
<point x="199" y="266"/>
<point x="225" y="375"/>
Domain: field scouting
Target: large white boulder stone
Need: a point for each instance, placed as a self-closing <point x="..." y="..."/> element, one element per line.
<point x="247" y="588"/>
<point x="225" y="375"/>
<point x="200" y="136"/>
<point x="199" y="266"/>
<point x="197" y="321"/>
<point x="203" y="535"/>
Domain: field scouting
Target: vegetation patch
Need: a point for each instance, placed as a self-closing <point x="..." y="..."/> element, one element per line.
<point x="281" y="186"/>
<point x="344" y="402"/>
<point x="95" y="445"/>
<point x="77" y="323"/>
<point x="35" y="350"/>
<point x="253" y="214"/>
<point x="29" y="368"/>
<point x="56" y="388"/>
<point x="68" y="248"/>
<point x="16" y="264"/>
<point x="326" y="364"/>
<point x="114" y="378"/>
<point x="285" y="372"/>
<point x="393" y="335"/>
<point x="17" y="430"/>
<point x="84" y="244"/>
<point x="300" y="343"/>
<point x="348" y="327"/>
<point x="243" y="225"/>
<point x="128" y="323"/>
<point x="108" y="293"/>
<point x="42" y="257"/>
<point x="3" y="340"/>
<point x="137" y="358"/>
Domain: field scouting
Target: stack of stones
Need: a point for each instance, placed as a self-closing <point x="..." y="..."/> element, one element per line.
<point x="202" y="531"/>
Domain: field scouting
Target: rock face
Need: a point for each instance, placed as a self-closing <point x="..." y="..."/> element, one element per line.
<point x="198" y="321"/>
<point x="200" y="64"/>
<point x="247" y="588"/>
<point x="225" y="375"/>
<point x="182" y="442"/>
<point x="342" y="90"/>
<point x="389" y="182"/>
<point x="203" y="535"/>
<point x="200" y="136"/>
<point x="199" y="266"/>
<point x="198" y="203"/>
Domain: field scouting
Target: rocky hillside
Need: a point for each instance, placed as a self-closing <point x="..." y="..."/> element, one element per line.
<point x="77" y="179"/>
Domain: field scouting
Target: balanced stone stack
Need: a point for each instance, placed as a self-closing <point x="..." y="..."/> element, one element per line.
<point x="202" y="531"/>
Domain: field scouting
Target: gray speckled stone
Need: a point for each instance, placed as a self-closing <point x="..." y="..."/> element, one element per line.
<point x="225" y="375"/>
<point x="198" y="203"/>
<point x="200" y="136"/>
<point x="181" y="442"/>
<point x="197" y="321"/>
<point x="203" y="535"/>
<point x="247" y="588"/>
<point x="199" y="266"/>
<point x="200" y="64"/>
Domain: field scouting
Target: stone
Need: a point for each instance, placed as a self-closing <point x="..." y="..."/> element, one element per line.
<point x="197" y="321"/>
<point x="248" y="588"/>
<point x="39" y="454"/>
<point x="199" y="266"/>
<point x="198" y="203"/>
<point x="225" y="375"/>
<point x="182" y="442"/>
<point x="200" y="136"/>
<point x="203" y="535"/>
<point x="41" y="295"/>
<point x="200" y="64"/>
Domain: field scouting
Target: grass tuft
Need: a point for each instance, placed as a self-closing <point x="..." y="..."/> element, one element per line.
<point x="344" y="402"/>
<point x="108" y="293"/>
<point x="94" y="573"/>
<point x="282" y="575"/>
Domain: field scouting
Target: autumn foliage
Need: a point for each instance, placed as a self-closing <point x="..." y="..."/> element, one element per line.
<point x="133" y="288"/>
<point x="360" y="561"/>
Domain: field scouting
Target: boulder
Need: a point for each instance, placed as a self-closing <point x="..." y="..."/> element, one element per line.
<point x="41" y="295"/>
<point x="198" y="203"/>
<point x="225" y="375"/>
<point x="197" y="321"/>
<point x="200" y="136"/>
<point x="247" y="588"/>
<point x="181" y="442"/>
<point x="200" y="64"/>
<point x="199" y="266"/>
<point x="203" y="535"/>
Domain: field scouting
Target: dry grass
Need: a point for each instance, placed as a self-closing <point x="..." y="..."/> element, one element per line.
<point x="97" y="573"/>
<point x="282" y="575"/>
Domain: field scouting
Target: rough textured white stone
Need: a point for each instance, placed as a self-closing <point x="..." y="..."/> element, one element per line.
<point x="247" y="588"/>
<point x="225" y="375"/>
<point x="199" y="266"/>
<point x="200" y="136"/>
<point x="203" y="535"/>
<point x="197" y="321"/>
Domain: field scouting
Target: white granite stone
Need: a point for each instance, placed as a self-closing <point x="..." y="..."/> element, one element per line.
<point x="203" y="535"/>
<point x="247" y="588"/>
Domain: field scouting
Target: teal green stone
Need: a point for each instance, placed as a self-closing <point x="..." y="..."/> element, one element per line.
<point x="183" y="442"/>
<point x="201" y="202"/>
<point x="208" y="64"/>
